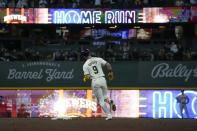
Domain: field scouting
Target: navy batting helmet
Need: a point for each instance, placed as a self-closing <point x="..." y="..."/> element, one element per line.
<point x="85" y="52"/>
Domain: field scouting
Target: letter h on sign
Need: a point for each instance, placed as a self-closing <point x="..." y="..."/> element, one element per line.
<point x="162" y="104"/>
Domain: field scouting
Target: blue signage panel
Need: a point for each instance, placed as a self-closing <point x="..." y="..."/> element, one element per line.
<point x="91" y="16"/>
<point x="163" y="104"/>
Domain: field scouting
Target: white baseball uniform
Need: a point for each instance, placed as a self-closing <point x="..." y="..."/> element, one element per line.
<point x="93" y="67"/>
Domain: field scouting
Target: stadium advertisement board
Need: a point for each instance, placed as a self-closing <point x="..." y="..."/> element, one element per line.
<point x="98" y="16"/>
<point x="82" y="103"/>
<point x="54" y="75"/>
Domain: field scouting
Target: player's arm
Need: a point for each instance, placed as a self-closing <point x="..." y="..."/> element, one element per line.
<point x="109" y="69"/>
<point x="110" y="72"/>
<point x="187" y="100"/>
<point x="177" y="99"/>
<point x="86" y="76"/>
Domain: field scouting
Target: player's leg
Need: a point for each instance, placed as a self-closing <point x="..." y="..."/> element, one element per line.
<point x="106" y="98"/>
<point x="98" y="93"/>
<point x="181" y="110"/>
<point x="186" y="111"/>
<point x="96" y="87"/>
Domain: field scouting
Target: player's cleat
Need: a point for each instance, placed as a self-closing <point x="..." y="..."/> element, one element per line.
<point x="61" y="118"/>
<point x="109" y="117"/>
<point x="66" y="118"/>
<point x="54" y="118"/>
<point x="112" y="105"/>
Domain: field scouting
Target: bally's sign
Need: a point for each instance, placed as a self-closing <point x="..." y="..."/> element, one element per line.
<point x="166" y="70"/>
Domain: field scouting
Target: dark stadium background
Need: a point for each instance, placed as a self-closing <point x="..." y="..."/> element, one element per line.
<point x="152" y="62"/>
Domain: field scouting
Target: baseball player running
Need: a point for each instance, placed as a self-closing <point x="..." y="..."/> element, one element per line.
<point x="92" y="69"/>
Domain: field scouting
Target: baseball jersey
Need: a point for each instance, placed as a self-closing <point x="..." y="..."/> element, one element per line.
<point x="183" y="99"/>
<point x="93" y="67"/>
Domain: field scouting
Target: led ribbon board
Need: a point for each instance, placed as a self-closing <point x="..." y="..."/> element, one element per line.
<point x="130" y="103"/>
<point x="98" y="16"/>
<point x="78" y="16"/>
<point x="163" y="104"/>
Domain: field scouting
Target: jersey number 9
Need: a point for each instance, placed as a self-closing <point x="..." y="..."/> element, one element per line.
<point x="95" y="69"/>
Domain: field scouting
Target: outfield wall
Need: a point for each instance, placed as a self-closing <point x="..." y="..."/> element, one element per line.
<point x="127" y="75"/>
<point x="82" y="103"/>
